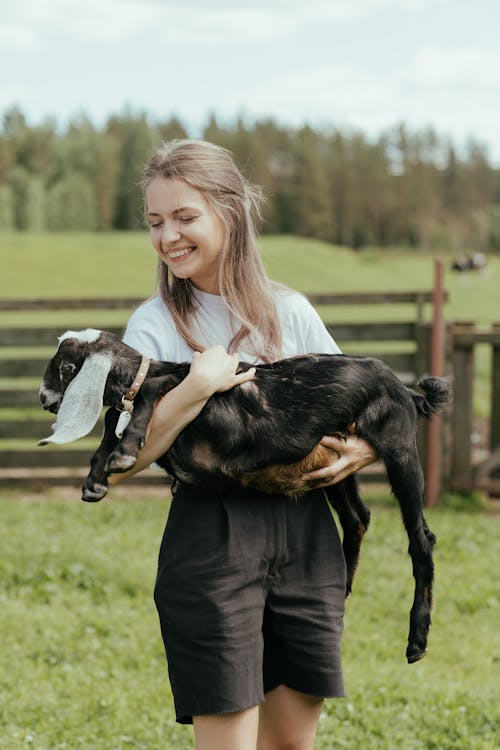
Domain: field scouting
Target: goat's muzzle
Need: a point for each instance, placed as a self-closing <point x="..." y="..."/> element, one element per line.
<point x="50" y="401"/>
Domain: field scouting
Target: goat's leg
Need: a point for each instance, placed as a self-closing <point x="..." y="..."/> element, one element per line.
<point x="354" y="518"/>
<point x="96" y="484"/>
<point x="124" y="455"/>
<point x="406" y="478"/>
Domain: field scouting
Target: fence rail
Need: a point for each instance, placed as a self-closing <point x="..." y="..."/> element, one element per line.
<point x="404" y="345"/>
<point x="463" y="473"/>
<point x="417" y="298"/>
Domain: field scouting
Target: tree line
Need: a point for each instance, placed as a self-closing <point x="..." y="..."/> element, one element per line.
<point x="412" y="188"/>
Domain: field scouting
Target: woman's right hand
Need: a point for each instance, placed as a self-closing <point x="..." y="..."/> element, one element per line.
<point x="214" y="370"/>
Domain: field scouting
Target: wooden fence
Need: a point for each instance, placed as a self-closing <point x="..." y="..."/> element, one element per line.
<point x="404" y="345"/>
<point x="461" y="471"/>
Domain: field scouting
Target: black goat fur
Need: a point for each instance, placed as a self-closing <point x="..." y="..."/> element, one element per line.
<point x="266" y="434"/>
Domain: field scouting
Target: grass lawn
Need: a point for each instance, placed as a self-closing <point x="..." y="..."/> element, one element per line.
<point x="124" y="263"/>
<point x="82" y="664"/>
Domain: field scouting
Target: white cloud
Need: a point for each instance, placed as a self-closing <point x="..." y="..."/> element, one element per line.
<point x="452" y="90"/>
<point x="17" y="37"/>
<point x="459" y="68"/>
<point x="85" y="19"/>
<point x="328" y="92"/>
<point x="190" y="21"/>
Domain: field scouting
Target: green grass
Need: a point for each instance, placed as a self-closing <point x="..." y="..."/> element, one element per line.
<point x="82" y="664"/>
<point x="123" y="263"/>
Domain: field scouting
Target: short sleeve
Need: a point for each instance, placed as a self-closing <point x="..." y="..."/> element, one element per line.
<point x="151" y="331"/>
<point x="303" y="330"/>
<point x="316" y="337"/>
<point x="142" y="340"/>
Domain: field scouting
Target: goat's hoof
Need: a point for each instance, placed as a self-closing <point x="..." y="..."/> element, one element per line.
<point x="415" y="653"/>
<point x="119" y="462"/>
<point x="94" y="494"/>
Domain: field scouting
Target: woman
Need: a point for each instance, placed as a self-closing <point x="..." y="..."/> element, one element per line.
<point x="250" y="587"/>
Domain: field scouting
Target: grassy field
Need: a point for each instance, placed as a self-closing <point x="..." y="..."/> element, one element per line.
<point x="66" y="265"/>
<point x="82" y="664"/>
<point x="117" y="264"/>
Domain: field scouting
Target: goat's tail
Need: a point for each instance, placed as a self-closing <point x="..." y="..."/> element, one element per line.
<point x="437" y="393"/>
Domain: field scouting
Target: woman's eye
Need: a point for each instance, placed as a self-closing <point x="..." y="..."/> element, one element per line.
<point x="155" y="225"/>
<point x="187" y="219"/>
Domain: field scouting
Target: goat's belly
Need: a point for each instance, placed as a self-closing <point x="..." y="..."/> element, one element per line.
<point x="286" y="479"/>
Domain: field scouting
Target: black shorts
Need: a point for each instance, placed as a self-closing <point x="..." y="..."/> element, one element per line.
<point x="250" y="593"/>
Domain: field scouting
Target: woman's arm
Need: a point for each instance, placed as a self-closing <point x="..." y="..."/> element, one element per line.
<point x="212" y="371"/>
<point x="354" y="454"/>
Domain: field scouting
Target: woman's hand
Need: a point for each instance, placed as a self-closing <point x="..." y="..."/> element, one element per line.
<point x="214" y="371"/>
<point x="354" y="454"/>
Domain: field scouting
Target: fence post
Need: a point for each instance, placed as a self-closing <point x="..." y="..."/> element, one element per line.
<point x="447" y="436"/>
<point x="422" y="366"/>
<point x="463" y="381"/>
<point x="495" y="393"/>
<point x="495" y="398"/>
<point x="433" y="467"/>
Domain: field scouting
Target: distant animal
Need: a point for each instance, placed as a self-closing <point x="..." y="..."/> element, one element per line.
<point x="264" y="433"/>
<point x="475" y="262"/>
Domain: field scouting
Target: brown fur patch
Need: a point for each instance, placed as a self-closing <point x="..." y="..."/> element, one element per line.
<point x="288" y="478"/>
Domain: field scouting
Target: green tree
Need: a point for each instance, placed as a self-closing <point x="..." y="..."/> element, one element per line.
<point x="18" y="182"/>
<point x="106" y="169"/>
<point x="136" y="139"/>
<point x="312" y="215"/>
<point x="215" y="134"/>
<point x="172" y="128"/>
<point x="36" y="205"/>
<point x="71" y="204"/>
<point x="7" y="221"/>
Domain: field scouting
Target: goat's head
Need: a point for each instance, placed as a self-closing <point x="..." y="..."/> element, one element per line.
<point x="73" y="384"/>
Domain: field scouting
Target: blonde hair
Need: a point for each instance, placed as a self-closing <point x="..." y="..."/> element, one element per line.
<point x="243" y="282"/>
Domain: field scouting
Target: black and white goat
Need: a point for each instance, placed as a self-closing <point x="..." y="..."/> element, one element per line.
<point x="265" y="433"/>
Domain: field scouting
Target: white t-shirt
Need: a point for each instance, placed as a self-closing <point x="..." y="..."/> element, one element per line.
<point x="151" y="329"/>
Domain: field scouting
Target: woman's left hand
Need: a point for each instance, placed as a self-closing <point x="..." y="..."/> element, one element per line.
<point x="354" y="454"/>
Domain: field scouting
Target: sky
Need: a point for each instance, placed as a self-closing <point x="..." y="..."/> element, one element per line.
<point x="363" y="64"/>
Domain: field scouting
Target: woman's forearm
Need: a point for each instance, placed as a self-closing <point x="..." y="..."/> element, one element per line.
<point x="213" y="370"/>
<point x="174" y="412"/>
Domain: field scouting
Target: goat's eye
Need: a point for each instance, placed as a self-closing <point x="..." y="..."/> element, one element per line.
<point x="66" y="370"/>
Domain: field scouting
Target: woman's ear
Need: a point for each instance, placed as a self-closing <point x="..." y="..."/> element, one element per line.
<point x="82" y="402"/>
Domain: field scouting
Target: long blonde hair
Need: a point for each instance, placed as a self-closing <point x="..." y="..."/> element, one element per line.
<point x="243" y="282"/>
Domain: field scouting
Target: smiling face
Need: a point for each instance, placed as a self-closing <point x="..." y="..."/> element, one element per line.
<point x="186" y="232"/>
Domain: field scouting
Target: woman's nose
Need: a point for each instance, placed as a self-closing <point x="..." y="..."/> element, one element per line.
<point x="170" y="233"/>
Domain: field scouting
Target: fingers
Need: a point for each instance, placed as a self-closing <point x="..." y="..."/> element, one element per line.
<point x="215" y="371"/>
<point x="244" y="377"/>
<point x="334" y="442"/>
<point x="329" y="473"/>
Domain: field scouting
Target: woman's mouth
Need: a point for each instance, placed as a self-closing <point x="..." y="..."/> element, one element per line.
<point x="177" y="254"/>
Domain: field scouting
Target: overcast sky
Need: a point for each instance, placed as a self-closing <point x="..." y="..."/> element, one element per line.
<point x="363" y="63"/>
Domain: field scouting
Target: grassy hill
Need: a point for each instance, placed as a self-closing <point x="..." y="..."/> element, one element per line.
<point x="124" y="264"/>
<point x="87" y="264"/>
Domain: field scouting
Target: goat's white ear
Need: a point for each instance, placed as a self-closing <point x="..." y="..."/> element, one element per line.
<point x="82" y="402"/>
